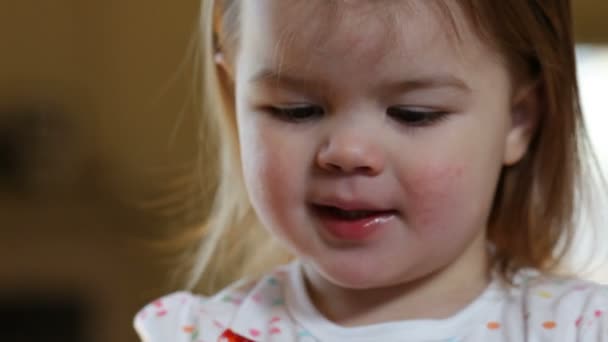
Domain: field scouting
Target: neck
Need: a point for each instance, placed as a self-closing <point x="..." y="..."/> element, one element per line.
<point x="438" y="295"/>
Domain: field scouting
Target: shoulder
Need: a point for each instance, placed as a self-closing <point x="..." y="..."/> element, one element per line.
<point x="184" y="316"/>
<point x="567" y="306"/>
<point x="249" y="308"/>
<point x="557" y="291"/>
<point x="163" y="317"/>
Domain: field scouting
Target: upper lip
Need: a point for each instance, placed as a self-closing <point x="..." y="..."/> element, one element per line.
<point x="350" y="205"/>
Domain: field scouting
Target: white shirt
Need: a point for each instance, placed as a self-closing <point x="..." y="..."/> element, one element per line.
<point x="277" y="308"/>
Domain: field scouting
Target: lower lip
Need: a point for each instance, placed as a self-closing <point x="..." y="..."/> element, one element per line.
<point x="356" y="230"/>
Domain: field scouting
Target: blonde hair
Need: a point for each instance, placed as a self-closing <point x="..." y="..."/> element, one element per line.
<point x="532" y="220"/>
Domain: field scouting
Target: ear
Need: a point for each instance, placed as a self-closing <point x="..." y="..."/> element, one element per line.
<point x="221" y="62"/>
<point x="526" y="110"/>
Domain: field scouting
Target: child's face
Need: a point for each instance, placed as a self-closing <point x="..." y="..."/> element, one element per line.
<point x="389" y="113"/>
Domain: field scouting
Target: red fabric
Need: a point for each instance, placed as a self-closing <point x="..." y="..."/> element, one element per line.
<point x="229" y="336"/>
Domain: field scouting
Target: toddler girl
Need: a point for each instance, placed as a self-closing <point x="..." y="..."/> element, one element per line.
<point x="418" y="160"/>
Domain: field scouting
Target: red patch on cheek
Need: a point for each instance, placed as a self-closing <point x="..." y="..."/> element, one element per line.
<point x="433" y="194"/>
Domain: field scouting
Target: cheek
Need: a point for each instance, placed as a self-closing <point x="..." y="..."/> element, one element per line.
<point x="261" y="163"/>
<point x="268" y="170"/>
<point x="437" y="197"/>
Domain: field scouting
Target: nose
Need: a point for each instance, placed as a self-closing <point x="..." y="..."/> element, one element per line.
<point x="348" y="152"/>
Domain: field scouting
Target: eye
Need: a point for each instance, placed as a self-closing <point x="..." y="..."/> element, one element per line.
<point x="415" y="116"/>
<point x="296" y="113"/>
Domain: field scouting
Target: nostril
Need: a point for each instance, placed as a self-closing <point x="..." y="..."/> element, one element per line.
<point x="349" y="156"/>
<point x="334" y="167"/>
<point x="364" y="169"/>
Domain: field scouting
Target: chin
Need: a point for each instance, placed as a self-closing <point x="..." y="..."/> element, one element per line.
<point x="357" y="275"/>
<point x="368" y="273"/>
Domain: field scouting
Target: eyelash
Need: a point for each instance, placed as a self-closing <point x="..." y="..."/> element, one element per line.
<point x="293" y="114"/>
<point x="404" y="115"/>
<point x="423" y="117"/>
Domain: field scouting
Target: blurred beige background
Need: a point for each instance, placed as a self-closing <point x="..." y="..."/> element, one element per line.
<point x="97" y="113"/>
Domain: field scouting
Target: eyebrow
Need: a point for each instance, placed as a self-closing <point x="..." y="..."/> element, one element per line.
<point x="438" y="80"/>
<point x="270" y="76"/>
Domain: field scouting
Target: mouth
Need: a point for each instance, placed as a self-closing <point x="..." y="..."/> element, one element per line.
<point x="355" y="225"/>
<point x="350" y="214"/>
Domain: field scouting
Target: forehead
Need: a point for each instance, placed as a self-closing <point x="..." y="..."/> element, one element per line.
<point x="373" y="35"/>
